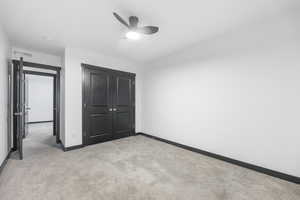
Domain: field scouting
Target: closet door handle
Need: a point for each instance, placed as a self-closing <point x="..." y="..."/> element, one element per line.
<point x="114" y="109"/>
<point x="110" y="109"/>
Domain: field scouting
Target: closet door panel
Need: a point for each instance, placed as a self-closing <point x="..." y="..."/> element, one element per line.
<point x="99" y="85"/>
<point x="123" y="92"/>
<point x="99" y="119"/>
<point x="122" y="106"/>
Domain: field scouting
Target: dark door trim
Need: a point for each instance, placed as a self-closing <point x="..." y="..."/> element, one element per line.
<point x="39" y="66"/>
<point x="88" y="66"/>
<point x="84" y="67"/>
<point x="56" y="93"/>
<point x="83" y="86"/>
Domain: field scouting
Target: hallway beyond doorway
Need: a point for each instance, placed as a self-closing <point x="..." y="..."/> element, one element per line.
<point x="40" y="138"/>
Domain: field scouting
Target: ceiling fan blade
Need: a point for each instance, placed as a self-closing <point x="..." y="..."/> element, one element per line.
<point x="120" y="19"/>
<point x="133" y="21"/>
<point x="148" y="29"/>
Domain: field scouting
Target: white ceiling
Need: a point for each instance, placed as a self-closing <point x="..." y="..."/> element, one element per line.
<point x="51" y="25"/>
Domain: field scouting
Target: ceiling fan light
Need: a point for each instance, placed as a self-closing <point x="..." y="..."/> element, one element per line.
<point x="132" y="35"/>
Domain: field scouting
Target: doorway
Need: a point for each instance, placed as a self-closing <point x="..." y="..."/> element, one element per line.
<point x="36" y="94"/>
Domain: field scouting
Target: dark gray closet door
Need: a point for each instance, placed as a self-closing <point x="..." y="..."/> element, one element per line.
<point x="122" y="110"/>
<point x="98" y="108"/>
<point x="108" y="104"/>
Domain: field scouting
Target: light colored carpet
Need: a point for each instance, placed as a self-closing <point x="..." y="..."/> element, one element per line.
<point x="134" y="168"/>
<point x="40" y="139"/>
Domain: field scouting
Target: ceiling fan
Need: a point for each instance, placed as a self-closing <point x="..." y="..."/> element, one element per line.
<point x="134" y="29"/>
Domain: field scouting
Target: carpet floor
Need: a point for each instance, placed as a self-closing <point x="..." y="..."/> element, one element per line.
<point x="134" y="168"/>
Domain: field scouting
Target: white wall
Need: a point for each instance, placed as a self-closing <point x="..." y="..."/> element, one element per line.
<point x="235" y="94"/>
<point x="4" y="56"/>
<point x="36" y="57"/>
<point x="73" y="89"/>
<point x="62" y="102"/>
<point x="40" y="98"/>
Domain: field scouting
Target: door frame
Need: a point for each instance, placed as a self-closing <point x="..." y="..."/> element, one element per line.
<point x="85" y="66"/>
<point x="56" y="95"/>
<point x="10" y="105"/>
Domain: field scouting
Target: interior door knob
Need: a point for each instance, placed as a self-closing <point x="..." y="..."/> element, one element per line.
<point x="115" y="109"/>
<point x="110" y="109"/>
